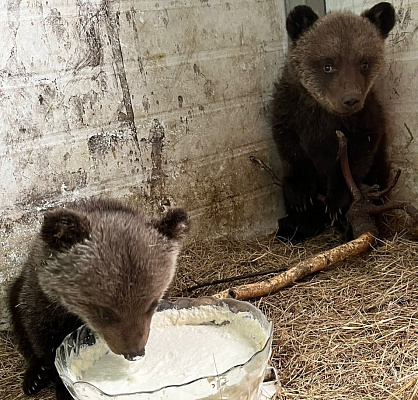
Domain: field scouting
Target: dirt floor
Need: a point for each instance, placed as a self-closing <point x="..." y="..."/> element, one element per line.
<point x="350" y="332"/>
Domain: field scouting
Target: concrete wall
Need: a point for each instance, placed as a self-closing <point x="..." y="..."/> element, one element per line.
<point x="398" y="90"/>
<point x="158" y="102"/>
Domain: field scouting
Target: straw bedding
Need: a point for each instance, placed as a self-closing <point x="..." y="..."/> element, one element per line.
<point x="350" y="332"/>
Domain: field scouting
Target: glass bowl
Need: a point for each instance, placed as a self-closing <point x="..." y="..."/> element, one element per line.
<point x="240" y="382"/>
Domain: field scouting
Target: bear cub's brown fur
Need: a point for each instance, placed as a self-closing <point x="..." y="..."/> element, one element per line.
<point x="97" y="262"/>
<point x="327" y="85"/>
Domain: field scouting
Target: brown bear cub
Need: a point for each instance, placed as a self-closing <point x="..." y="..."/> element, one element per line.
<point x="97" y="262"/>
<point x="327" y="85"/>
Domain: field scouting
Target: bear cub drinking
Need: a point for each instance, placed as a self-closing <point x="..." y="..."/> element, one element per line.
<point x="327" y="85"/>
<point x="97" y="262"/>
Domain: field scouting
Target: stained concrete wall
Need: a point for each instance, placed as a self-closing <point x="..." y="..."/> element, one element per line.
<point x="160" y="103"/>
<point x="398" y="90"/>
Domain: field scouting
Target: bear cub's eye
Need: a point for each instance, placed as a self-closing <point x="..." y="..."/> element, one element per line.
<point x="365" y="66"/>
<point x="328" y="68"/>
<point x="106" y="314"/>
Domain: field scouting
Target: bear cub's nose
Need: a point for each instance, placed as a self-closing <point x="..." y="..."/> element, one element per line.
<point x="351" y="99"/>
<point x="135" y="356"/>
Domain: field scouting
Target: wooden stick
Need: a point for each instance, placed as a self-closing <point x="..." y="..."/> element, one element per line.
<point x="301" y="269"/>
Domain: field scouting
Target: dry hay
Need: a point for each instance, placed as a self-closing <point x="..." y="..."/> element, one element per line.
<point x="347" y="333"/>
<point x="11" y="373"/>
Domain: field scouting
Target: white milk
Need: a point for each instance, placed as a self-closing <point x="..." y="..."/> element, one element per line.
<point x="183" y="345"/>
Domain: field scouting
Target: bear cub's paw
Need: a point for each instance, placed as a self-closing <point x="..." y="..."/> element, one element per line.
<point x="36" y="377"/>
<point x="300" y="184"/>
<point x="338" y="200"/>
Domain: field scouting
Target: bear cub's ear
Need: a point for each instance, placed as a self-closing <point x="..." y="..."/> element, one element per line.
<point x="175" y="224"/>
<point x="63" y="228"/>
<point x="300" y="19"/>
<point x="382" y="15"/>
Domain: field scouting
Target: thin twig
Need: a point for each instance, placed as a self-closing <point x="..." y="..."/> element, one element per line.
<point x="276" y="180"/>
<point x="234" y="278"/>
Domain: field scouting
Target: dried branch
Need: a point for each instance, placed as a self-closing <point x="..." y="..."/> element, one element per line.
<point x="361" y="213"/>
<point x="345" y="167"/>
<point x="395" y="205"/>
<point x="301" y="269"/>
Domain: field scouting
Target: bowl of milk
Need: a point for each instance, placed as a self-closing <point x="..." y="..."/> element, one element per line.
<point x="198" y="349"/>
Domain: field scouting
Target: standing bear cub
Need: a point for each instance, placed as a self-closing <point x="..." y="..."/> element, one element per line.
<point x="97" y="262"/>
<point x="327" y="85"/>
